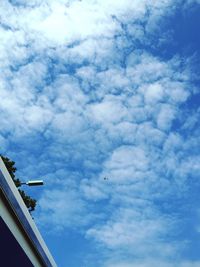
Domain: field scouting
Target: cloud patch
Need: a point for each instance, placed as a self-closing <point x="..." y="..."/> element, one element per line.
<point x="84" y="98"/>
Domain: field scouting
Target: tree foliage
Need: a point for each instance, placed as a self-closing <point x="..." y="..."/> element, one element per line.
<point x="10" y="165"/>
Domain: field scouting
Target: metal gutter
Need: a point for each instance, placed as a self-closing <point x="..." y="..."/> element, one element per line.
<point x="21" y="212"/>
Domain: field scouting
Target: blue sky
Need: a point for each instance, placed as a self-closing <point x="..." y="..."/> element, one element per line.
<point x="106" y="88"/>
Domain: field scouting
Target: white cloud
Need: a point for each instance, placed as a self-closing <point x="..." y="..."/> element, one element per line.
<point x="165" y="117"/>
<point x="153" y="93"/>
<point x="126" y="157"/>
<point x="110" y="110"/>
<point x="67" y="211"/>
<point x="120" y="233"/>
<point x="103" y="108"/>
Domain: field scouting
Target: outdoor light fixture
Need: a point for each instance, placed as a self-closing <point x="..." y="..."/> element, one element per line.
<point x="33" y="183"/>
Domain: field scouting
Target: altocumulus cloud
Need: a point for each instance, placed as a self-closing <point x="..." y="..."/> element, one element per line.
<point x="83" y="97"/>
